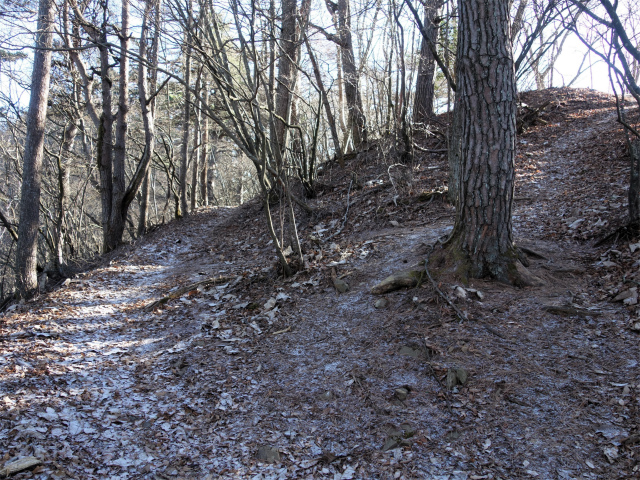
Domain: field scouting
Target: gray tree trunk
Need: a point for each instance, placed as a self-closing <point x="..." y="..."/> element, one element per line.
<point x="423" y="102"/>
<point x="115" y="227"/>
<point x="290" y="39"/>
<point x="68" y="139"/>
<point x="148" y="108"/>
<point x="355" y="118"/>
<point x="198" y="145"/>
<point x="27" y="251"/>
<point x="204" y="152"/>
<point x="186" y="122"/>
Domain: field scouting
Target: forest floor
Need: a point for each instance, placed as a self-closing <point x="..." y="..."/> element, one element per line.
<point x="255" y="376"/>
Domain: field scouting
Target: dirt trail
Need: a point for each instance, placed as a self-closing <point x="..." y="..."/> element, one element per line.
<point x="212" y="384"/>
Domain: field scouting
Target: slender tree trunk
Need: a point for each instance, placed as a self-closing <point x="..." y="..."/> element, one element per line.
<point x="325" y="102"/>
<point x="423" y="102"/>
<point x="634" y="181"/>
<point x="27" y="250"/>
<point x="68" y="138"/>
<point x="288" y="64"/>
<point x="356" y="118"/>
<point x="186" y="121"/>
<point x="204" y="152"/>
<point x="487" y="90"/>
<point x="113" y="233"/>
<point x="148" y="108"/>
<point x="287" y="72"/>
<point x="197" y="147"/>
<point x="105" y="142"/>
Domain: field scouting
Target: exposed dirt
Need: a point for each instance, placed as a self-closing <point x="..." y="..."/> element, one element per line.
<point x="211" y="384"/>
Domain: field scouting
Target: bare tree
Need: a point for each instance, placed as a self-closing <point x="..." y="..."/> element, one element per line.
<point x="27" y="250"/>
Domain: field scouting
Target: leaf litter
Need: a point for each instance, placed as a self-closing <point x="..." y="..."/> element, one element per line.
<point x="263" y="377"/>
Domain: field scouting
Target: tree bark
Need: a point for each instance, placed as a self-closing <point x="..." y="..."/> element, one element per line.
<point x="198" y="144"/>
<point x="487" y="92"/>
<point x="290" y="39"/>
<point x="148" y="108"/>
<point x="204" y="152"/>
<point x="423" y="102"/>
<point x="186" y="121"/>
<point x="27" y="251"/>
<point x="104" y="143"/>
<point x="68" y="139"/>
<point x="117" y="217"/>
<point x="356" y="121"/>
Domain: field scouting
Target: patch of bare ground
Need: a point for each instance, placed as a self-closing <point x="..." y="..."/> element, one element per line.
<point x="248" y="375"/>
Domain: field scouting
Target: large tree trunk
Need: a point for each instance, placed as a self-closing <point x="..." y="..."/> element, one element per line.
<point x="423" y="102"/>
<point x="487" y="92"/>
<point x="27" y="252"/>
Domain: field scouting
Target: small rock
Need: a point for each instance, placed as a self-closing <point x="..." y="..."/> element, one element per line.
<point x="460" y="293"/>
<point x="410" y="352"/>
<point x="462" y="375"/>
<point x="611" y="453"/>
<point x="452" y="379"/>
<point x="407" y="430"/>
<point x="326" y="396"/>
<point x="626" y="294"/>
<point x="576" y="223"/>
<point x="270" y="304"/>
<point x="268" y="454"/>
<point x="381" y="303"/>
<point x="394" y="223"/>
<point x="401" y="393"/>
<point x="390" y="444"/>
<point x="341" y="285"/>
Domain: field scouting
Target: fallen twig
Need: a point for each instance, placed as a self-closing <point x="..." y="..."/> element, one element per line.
<point x="285" y="330"/>
<point x="461" y="315"/>
<point x="344" y="220"/>
<point x="426" y="150"/>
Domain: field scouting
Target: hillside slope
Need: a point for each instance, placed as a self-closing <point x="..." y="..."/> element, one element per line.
<point x="249" y="375"/>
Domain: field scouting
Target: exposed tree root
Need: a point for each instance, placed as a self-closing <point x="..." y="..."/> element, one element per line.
<point x="181" y="291"/>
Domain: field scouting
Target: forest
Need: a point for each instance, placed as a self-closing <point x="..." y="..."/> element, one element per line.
<point x="282" y="239"/>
